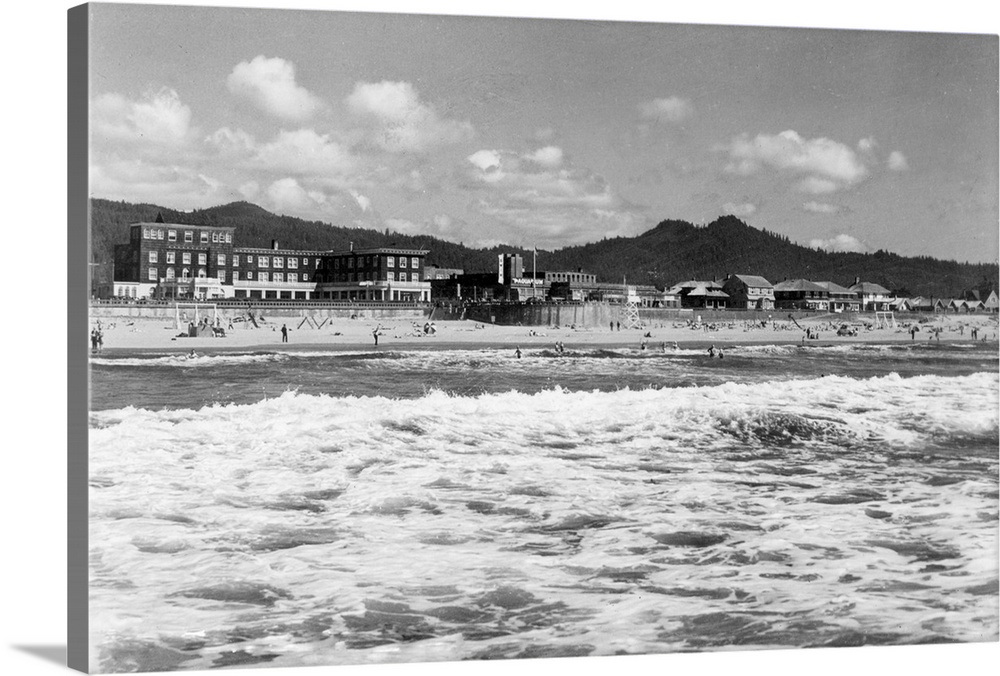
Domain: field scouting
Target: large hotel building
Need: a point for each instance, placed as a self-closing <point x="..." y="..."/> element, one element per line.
<point x="173" y="262"/>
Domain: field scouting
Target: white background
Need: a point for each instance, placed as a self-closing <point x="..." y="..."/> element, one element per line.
<point x="33" y="326"/>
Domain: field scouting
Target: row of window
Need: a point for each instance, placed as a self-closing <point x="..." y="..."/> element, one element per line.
<point x="171" y="275"/>
<point x="275" y="261"/>
<point x="203" y="235"/>
<point x="369" y="261"/>
<point x="262" y="261"/>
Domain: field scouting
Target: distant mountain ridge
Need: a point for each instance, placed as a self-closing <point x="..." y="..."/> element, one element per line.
<point x="671" y="252"/>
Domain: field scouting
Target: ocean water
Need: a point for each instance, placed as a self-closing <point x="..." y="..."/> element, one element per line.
<point x="300" y="507"/>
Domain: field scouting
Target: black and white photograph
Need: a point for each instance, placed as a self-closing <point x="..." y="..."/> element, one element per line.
<point x="416" y="337"/>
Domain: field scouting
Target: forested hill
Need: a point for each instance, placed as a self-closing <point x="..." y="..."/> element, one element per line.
<point x="671" y="252"/>
<point x="675" y="251"/>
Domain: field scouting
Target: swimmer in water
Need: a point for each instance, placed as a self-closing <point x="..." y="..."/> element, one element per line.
<point x="192" y="354"/>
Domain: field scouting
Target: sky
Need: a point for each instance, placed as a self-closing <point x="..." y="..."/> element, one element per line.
<point x="551" y="132"/>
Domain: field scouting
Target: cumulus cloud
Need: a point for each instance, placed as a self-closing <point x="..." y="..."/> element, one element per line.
<point x="170" y="185"/>
<point x="544" y="200"/>
<point x="824" y="165"/>
<point x="897" y="161"/>
<point x="547" y="157"/>
<point x="672" y="109"/>
<point x="270" y="85"/>
<point x="841" y="243"/>
<point x="301" y="152"/>
<point x="741" y="210"/>
<point x="159" y="118"/>
<point x="821" y="208"/>
<point x="400" y="122"/>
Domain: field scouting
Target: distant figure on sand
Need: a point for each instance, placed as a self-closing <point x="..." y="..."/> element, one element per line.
<point x="711" y="351"/>
<point x="284" y="333"/>
<point x="375" y="335"/>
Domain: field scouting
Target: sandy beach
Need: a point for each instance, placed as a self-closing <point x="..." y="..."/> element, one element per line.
<point x="163" y="335"/>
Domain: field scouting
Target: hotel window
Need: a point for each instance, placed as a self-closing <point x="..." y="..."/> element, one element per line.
<point x="402" y="261"/>
<point x="185" y="273"/>
<point x="262" y="262"/>
<point x="249" y="274"/>
<point x="215" y="238"/>
<point x="350" y="263"/>
<point x="390" y="261"/>
<point x="391" y="276"/>
<point x="336" y="263"/>
<point x="305" y="277"/>
<point x="278" y="277"/>
<point x="250" y="260"/>
<point x="152" y="274"/>
<point x="152" y="257"/>
<point x="229" y="238"/>
<point x="201" y="273"/>
<point x="415" y="263"/>
<point x="204" y="237"/>
<point x="221" y="260"/>
<point x="293" y="263"/>
<point x="222" y="275"/>
<point x="159" y="234"/>
<point x="293" y="277"/>
<point x="170" y="274"/>
<point x="278" y="262"/>
<point x="263" y="276"/>
<point x="202" y="259"/>
<point x="171" y="257"/>
<point x="186" y="258"/>
<point x="171" y="235"/>
<point x="188" y="236"/>
<point x="305" y="262"/>
<point x="145" y="233"/>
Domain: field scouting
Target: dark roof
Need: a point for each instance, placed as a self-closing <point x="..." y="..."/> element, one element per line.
<point x="834" y="288"/>
<point x="798" y="285"/>
<point x="753" y="280"/>
<point x="869" y="288"/>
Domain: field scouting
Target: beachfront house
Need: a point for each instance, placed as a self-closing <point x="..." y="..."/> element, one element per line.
<point x="873" y="297"/>
<point x="700" y="294"/>
<point x="986" y="295"/>
<point x="801" y="294"/>
<point x="841" y="299"/>
<point x="749" y="292"/>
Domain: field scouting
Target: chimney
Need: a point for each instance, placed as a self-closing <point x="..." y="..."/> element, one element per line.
<point x="857" y="280"/>
<point x="274" y="245"/>
<point x="352" y="246"/>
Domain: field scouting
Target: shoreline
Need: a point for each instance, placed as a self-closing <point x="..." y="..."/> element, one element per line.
<point x="151" y="335"/>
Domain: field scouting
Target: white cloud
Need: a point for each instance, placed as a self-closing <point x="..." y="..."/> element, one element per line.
<point x="672" y="109"/>
<point x="169" y="185"/>
<point x="362" y="201"/>
<point x="402" y="123"/>
<point x="897" y="161"/>
<point x="543" y="200"/>
<point x="159" y="118"/>
<point x="270" y="85"/>
<point x="741" y="210"/>
<point x="825" y="164"/>
<point x="841" y="243"/>
<point x="820" y="208"/>
<point x="485" y="159"/>
<point x="302" y="153"/>
<point x="548" y="157"/>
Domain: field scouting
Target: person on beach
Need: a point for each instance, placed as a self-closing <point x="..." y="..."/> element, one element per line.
<point x="720" y="353"/>
<point x="711" y="351"/>
<point x="100" y="340"/>
<point x="517" y="352"/>
<point x="284" y="333"/>
<point x="611" y="326"/>
<point x="93" y="340"/>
